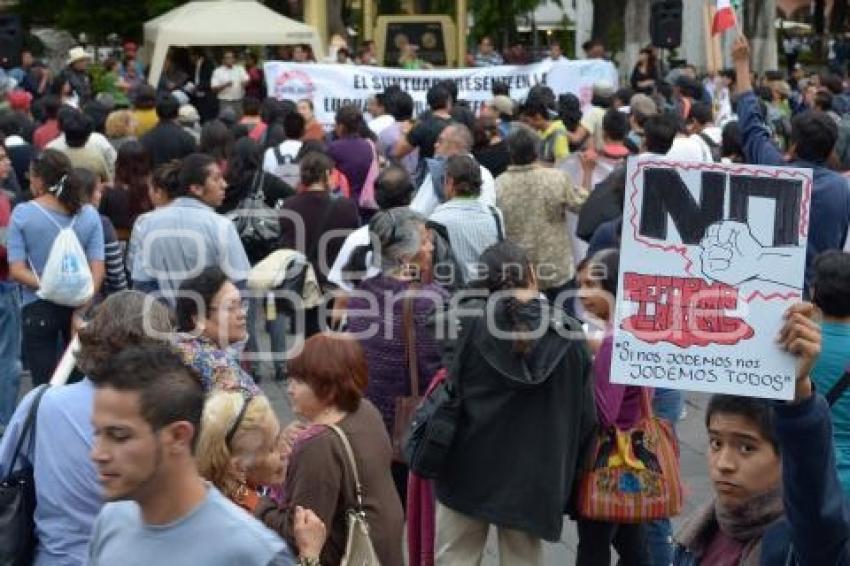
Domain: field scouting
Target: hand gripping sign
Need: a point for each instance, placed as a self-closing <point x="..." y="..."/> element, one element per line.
<point x="712" y="255"/>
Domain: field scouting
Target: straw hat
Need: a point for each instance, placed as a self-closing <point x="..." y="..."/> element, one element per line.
<point x="77" y="54"/>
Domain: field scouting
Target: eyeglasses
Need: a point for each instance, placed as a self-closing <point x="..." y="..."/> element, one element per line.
<point x="232" y="307"/>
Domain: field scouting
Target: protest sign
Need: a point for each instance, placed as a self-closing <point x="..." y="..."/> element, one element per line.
<point x="331" y="86"/>
<point x="712" y="255"/>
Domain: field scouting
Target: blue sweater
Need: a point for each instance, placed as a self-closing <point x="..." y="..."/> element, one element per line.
<point x="816" y="526"/>
<point x="830" y="210"/>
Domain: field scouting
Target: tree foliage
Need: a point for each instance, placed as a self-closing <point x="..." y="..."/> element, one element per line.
<point x="96" y="18"/>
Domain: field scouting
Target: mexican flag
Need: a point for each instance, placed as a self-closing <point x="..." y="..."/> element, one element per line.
<point x="724" y="17"/>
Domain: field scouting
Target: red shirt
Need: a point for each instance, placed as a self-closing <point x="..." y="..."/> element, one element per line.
<point x="45" y="134"/>
<point x="723" y="551"/>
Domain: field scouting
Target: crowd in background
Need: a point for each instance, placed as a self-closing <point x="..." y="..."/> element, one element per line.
<point x="376" y="225"/>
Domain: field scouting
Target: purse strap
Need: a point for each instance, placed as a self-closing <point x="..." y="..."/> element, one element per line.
<point x="358" y="487"/>
<point x="410" y="344"/>
<point x="836" y="391"/>
<point x="257" y="183"/>
<point x="27" y="431"/>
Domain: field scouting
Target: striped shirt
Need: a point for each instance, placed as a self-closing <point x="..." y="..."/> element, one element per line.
<point x="116" y="275"/>
<point x="471" y="227"/>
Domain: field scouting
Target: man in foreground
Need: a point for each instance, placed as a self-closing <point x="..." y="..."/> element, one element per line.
<point x="147" y="413"/>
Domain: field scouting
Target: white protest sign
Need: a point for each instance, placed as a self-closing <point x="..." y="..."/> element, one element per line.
<point x="711" y="257"/>
<point x="331" y="86"/>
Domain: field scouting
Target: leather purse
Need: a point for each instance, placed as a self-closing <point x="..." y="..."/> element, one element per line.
<point x="17" y="500"/>
<point x="359" y="550"/>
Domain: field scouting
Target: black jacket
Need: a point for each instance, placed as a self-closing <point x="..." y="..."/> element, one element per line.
<point x="604" y="203"/>
<point x="167" y="141"/>
<point x="524" y="420"/>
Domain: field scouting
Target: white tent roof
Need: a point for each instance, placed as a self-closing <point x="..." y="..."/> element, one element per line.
<point x="222" y="22"/>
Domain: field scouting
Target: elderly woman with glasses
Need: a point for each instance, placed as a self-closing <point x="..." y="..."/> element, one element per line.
<point x="212" y="319"/>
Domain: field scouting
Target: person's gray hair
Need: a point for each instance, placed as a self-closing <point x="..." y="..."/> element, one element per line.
<point x="396" y="237"/>
<point x="461" y="137"/>
<point x="466" y="175"/>
<point x="523" y="145"/>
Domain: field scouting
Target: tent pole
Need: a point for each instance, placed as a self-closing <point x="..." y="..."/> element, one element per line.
<point x="461" y="26"/>
<point x="315" y="14"/>
<point x="368" y="19"/>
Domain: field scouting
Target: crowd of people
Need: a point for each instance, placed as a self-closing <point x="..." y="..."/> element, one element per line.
<point x="379" y="258"/>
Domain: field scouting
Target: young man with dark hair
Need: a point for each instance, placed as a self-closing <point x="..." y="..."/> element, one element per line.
<point x="78" y="128"/>
<point x="167" y="140"/>
<point x="813" y="137"/>
<point x="778" y="499"/>
<point x="282" y="160"/>
<point x="555" y="145"/>
<point x="187" y="235"/>
<point x="425" y="133"/>
<point x="146" y="417"/>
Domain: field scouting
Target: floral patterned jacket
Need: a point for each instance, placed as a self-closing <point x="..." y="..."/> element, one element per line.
<point x="218" y="368"/>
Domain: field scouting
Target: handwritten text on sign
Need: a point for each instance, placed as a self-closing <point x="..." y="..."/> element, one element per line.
<point x="711" y="257"/>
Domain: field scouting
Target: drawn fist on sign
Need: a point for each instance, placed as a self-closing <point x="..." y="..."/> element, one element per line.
<point x="730" y="253"/>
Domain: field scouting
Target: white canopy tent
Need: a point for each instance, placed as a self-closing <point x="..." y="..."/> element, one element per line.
<point x="219" y="23"/>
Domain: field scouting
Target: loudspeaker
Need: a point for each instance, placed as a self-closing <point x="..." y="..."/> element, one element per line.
<point x="665" y="23"/>
<point x="11" y="40"/>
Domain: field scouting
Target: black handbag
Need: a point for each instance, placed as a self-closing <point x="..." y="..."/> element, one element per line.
<point x="17" y="500"/>
<point x="432" y="430"/>
<point x="434" y="425"/>
<point x="258" y="225"/>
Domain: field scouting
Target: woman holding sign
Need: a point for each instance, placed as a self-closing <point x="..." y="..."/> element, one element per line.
<point x="617" y="406"/>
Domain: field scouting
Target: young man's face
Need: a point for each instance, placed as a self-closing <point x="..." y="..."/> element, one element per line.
<point x="127" y="452"/>
<point x="214" y="187"/>
<point x="555" y="51"/>
<point x="741" y="462"/>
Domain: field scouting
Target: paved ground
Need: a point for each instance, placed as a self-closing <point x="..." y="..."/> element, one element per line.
<point x="693" y="442"/>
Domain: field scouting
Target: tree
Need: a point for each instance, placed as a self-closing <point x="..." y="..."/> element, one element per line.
<point x="96" y="18"/>
<point x="497" y="18"/>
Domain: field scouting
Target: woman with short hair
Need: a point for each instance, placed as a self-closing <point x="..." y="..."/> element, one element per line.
<point x="326" y="385"/>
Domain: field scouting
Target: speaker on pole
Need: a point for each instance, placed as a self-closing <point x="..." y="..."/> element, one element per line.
<point x="11" y="40"/>
<point x="665" y="23"/>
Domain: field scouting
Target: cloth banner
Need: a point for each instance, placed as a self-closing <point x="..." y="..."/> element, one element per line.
<point x="331" y="86"/>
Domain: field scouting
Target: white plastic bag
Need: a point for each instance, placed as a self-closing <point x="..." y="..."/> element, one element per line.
<point x="66" y="279"/>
